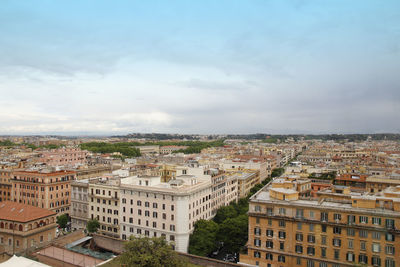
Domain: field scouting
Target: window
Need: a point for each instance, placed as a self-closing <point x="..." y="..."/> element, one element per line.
<point x="376" y="221"/>
<point x="363" y="233"/>
<point x="337" y="217"/>
<point x="311" y="251"/>
<point x="281" y="245"/>
<point x="323" y="264"/>
<point x="323" y="252"/>
<point x="336" y="242"/>
<point x="311" y="214"/>
<point x="282" y="223"/>
<point x="323" y="228"/>
<point x="376" y="235"/>
<point x="257" y="254"/>
<point x="389" y="249"/>
<point x="351" y="232"/>
<point x="363" y="245"/>
<point x="257" y="231"/>
<point x="376" y="247"/>
<point x="363" y="259"/>
<point x="269" y="244"/>
<point x="257" y="208"/>
<point x="336" y="254"/>
<point x="270" y="212"/>
<point x="363" y="219"/>
<point x="310" y="263"/>
<point x="351" y="219"/>
<point x="311" y="238"/>
<point x="350" y="243"/>
<point x="389" y="262"/>
<point x="299" y="226"/>
<point x="337" y="230"/>
<point x="298" y="261"/>
<point x="269" y="256"/>
<point x="299" y="213"/>
<point x="270" y="232"/>
<point x="281" y="258"/>
<point x="282" y="234"/>
<point x="311" y="226"/>
<point x="324" y="216"/>
<point x="299" y="237"/>
<point x="139" y="203"/>
<point x="376" y="261"/>
<point x="257" y="242"/>
<point x="389" y="223"/>
<point x="350" y="256"/>
<point x="299" y="249"/>
<point x="389" y="237"/>
<point x="282" y="211"/>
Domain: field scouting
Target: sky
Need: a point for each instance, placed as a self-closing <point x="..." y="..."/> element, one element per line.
<point x="208" y="67"/>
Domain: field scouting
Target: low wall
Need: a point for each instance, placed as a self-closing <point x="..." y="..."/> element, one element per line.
<point x="117" y="245"/>
<point x="114" y="245"/>
<point x="53" y="262"/>
<point x="207" y="262"/>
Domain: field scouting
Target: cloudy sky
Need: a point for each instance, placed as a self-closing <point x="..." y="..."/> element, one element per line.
<point x="250" y="66"/>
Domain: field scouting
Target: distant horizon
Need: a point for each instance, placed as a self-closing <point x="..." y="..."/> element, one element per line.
<point x="183" y="134"/>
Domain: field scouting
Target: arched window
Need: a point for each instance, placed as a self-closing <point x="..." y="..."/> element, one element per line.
<point x="20" y="227"/>
<point x="1" y="225"/>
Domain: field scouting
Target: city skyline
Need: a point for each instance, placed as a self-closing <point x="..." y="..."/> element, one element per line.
<point x="226" y="67"/>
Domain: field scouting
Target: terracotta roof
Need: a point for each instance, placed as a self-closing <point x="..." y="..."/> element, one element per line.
<point x="18" y="212"/>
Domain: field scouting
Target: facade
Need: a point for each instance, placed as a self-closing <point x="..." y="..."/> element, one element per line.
<point x="5" y="184"/>
<point x="63" y="157"/>
<point x="286" y="230"/>
<point x="45" y="189"/>
<point x="170" y="149"/>
<point x="24" y="227"/>
<point x="218" y="191"/>
<point x="246" y="180"/>
<point x="79" y="204"/>
<point x="150" y="207"/>
<point x="104" y="203"/>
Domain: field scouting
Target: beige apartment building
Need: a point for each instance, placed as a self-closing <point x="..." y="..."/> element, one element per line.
<point x="104" y="203"/>
<point x="150" y="207"/>
<point x="45" y="189"/>
<point x="285" y="229"/>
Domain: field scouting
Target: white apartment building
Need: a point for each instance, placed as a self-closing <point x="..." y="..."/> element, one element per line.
<point x="150" y="207"/>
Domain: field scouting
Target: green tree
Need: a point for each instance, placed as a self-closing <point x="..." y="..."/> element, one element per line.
<point x="234" y="232"/>
<point x="92" y="225"/>
<point x="224" y="213"/>
<point x="277" y="172"/>
<point x="150" y="252"/>
<point x="62" y="220"/>
<point x="203" y="240"/>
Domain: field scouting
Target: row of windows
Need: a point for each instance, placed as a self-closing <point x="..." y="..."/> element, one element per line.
<point x="362" y="259"/>
<point x="337" y="217"/>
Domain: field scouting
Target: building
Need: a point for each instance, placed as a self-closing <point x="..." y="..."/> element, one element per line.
<point x="356" y="230"/>
<point x="5" y="184"/>
<point x="79" y="203"/>
<point x="151" y="207"/>
<point x="246" y="179"/>
<point x="104" y="203"/>
<point x="45" y="189"/>
<point x="24" y="227"/>
<point x="63" y="157"/>
<point x="170" y="149"/>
